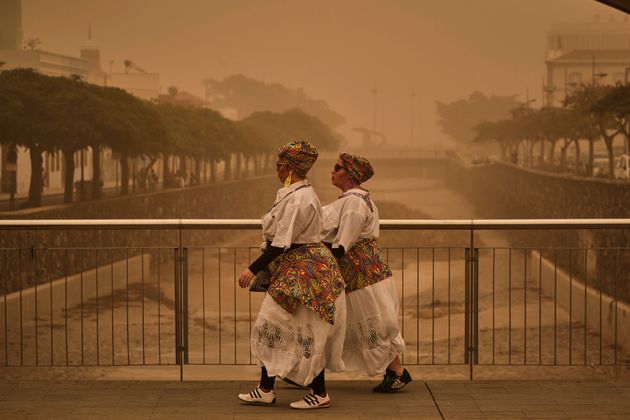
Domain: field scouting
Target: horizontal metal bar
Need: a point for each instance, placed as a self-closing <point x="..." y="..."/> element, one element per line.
<point x="250" y="224"/>
<point x="504" y="224"/>
<point x="129" y="224"/>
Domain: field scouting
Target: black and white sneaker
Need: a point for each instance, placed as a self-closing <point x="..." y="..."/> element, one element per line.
<point x="311" y="401"/>
<point x="392" y="382"/>
<point x="258" y="397"/>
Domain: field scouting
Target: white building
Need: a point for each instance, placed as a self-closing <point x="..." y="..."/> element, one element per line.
<point x="584" y="54"/>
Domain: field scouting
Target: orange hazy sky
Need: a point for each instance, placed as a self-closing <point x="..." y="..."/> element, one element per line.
<point x="336" y="50"/>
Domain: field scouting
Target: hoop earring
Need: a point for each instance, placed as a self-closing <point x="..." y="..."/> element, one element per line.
<point x="287" y="180"/>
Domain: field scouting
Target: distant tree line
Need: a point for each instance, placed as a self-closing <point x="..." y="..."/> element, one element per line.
<point x="59" y="114"/>
<point x="244" y="96"/>
<point x="459" y="118"/>
<point x="544" y="136"/>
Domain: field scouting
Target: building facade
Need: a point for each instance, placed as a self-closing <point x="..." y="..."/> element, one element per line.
<point x="585" y="54"/>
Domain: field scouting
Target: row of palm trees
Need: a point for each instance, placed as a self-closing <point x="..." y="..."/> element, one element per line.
<point x="59" y="114"/>
<point x="592" y="113"/>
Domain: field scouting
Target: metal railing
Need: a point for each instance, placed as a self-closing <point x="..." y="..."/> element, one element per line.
<point x="470" y="304"/>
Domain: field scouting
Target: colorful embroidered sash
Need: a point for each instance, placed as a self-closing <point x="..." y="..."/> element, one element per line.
<point x="363" y="265"/>
<point x="308" y="275"/>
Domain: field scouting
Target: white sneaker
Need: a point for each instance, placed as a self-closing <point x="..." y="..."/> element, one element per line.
<point x="311" y="401"/>
<point x="258" y="397"/>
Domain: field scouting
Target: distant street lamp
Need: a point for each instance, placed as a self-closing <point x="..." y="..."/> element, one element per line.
<point x="527" y="100"/>
<point x="413" y="100"/>
<point x="374" y="93"/>
<point x="548" y="93"/>
<point x="598" y="76"/>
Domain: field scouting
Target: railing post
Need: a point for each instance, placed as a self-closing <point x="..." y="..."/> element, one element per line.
<point x="467" y="305"/>
<point x="475" y="307"/>
<point x="177" y="293"/>
<point x="471" y="308"/>
<point x="181" y="306"/>
<point x="184" y="277"/>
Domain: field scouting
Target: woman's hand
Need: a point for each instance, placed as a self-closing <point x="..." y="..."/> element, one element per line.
<point x="246" y="278"/>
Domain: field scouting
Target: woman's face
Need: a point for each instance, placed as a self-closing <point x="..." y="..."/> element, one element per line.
<point x="282" y="166"/>
<point x="339" y="176"/>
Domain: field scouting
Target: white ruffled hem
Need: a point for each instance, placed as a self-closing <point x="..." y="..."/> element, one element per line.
<point x="373" y="337"/>
<point x="298" y="346"/>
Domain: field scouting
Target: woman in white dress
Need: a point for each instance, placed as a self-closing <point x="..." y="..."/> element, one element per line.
<point x="300" y="328"/>
<point x="373" y="340"/>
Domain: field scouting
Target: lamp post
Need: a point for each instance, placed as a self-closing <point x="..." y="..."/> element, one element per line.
<point x="413" y="100"/>
<point x="527" y="100"/>
<point x="374" y="93"/>
<point x="598" y="76"/>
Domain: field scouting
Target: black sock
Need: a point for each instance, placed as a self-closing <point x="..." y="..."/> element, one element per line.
<point x="266" y="382"/>
<point x="319" y="384"/>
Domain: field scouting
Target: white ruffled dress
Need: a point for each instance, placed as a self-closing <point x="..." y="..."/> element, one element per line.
<point x="373" y="338"/>
<point x="296" y="346"/>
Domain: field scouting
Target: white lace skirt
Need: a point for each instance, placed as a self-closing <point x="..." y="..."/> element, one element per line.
<point x="298" y="346"/>
<point x="373" y="338"/>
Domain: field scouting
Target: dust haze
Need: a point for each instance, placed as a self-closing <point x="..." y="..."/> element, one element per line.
<point x="380" y="64"/>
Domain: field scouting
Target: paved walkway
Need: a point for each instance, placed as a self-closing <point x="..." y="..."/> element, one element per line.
<point x="498" y="399"/>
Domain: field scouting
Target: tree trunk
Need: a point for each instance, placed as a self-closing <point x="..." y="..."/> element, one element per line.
<point x="503" y="147"/>
<point x="578" y="156"/>
<point x="96" y="172"/>
<point x="197" y="177"/>
<point x="238" y="169"/>
<point x="165" y="170"/>
<point x="37" y="183"/>
<point x="246" y="161"/>
<point x="608" y="140"/>
<point x="591" y="156"/>
<point x="541" y="158"/>
<point x="552" y="152"/>
<point x="68" y="182"/>
<point x="124" y="174"/>
<point x="213" y="171"/>
<point x="270" y="164"/>
<point x="563" y="155"/>
<point x="257" y="159"/>
<point x="611" y="156"/>
<point x="227" y="171"/>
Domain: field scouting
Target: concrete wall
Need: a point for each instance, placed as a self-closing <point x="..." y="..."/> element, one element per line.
<point x="602" y="313"/>
<point x="508" y="191"/>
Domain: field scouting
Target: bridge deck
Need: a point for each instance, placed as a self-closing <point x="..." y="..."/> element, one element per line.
<point x="351" y="399"/>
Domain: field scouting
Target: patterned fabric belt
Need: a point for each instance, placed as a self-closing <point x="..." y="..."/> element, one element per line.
<point x="308" y="275"/>
<point x="363" y="265"/>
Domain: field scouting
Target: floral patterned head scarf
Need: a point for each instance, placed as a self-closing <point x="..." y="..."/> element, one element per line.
<point x="301" y="156"/>
<point x="358" y="167"/>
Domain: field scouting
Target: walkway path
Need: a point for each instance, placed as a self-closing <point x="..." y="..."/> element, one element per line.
<point x="351" y="399"/>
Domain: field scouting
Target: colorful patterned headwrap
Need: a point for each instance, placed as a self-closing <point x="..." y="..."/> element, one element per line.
<point x="358" y="167"/>
<point x="301" y="156"/>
